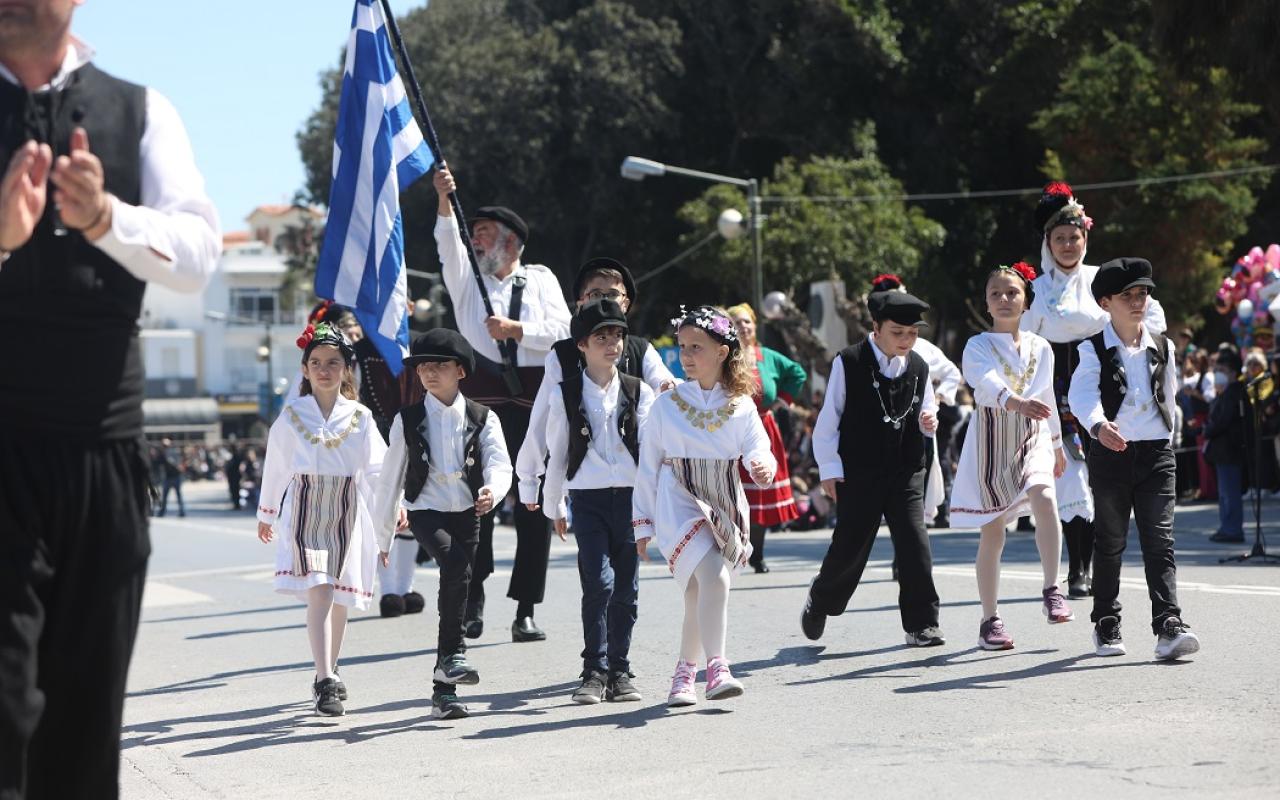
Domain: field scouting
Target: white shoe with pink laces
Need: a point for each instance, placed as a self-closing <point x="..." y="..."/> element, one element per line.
<point x="682" y="691"/>
<point x="720" y="682"/>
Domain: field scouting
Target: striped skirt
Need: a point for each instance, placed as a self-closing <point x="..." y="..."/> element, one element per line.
<point x="324" y="514"/>
<point x="773" y="504"/>
<point x="714" y="486"/>
<point x="1004" y="455"/>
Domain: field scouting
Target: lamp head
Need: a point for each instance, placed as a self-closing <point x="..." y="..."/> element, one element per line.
<point x="637" y="169"/>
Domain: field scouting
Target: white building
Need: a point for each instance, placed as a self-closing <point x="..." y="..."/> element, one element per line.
<point x="207" y="374"/>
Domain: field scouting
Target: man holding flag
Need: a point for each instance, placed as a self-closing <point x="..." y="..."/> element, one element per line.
<point x="526" y="315"/>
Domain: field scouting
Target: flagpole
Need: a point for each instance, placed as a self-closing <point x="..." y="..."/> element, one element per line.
<point x="509" y="374"/>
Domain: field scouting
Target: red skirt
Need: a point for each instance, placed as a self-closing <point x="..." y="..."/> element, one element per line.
<point x="773" y="504"/>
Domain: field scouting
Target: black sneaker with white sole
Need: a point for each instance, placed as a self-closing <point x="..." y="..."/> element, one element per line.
<point x="1107" y="640"/>
<point x="591" y="690"/>
<point x="621" y="689"/>
<point x="325" y="693"/>
<point x="447" y="706"/>
<point x="455" y="669"/>
<point x="1175" y="640"/>
<point x="926" y="637"/>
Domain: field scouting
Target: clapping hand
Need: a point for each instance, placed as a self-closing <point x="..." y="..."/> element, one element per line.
<point x="23" y="193"/>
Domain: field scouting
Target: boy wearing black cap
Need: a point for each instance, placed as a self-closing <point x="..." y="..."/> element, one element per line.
<point x="447" y="463"/>
<point x="598" y="279"/>
<point x="869" y="442"/>
<point x="594" y="419"/>
<point x="1123" y="392"/>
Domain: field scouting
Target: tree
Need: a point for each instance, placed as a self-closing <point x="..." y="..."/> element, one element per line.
<point x="1122" y="114"/>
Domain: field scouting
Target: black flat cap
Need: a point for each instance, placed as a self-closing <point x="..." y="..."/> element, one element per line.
<point x="897" y="306"/>
<point x="505" y="216"/>
<point x="1119" y="274"/>
<point x="604" y="263"/>
<point x="442" y="344"/>
<point x="597" y="314"/>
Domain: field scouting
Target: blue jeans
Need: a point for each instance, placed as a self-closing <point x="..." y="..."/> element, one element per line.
<point x="1230" y="502"/>
<point x="608" y="568"/>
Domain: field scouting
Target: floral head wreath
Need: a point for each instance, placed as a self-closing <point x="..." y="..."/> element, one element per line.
<point x="887" y="278"/>
<point x="709" y="319"/>
<point x="1021" y="268"/>
<point x="320" y="333"/>
<point x="1071" y="213"/>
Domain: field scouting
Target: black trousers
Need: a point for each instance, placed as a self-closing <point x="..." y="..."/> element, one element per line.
<point x="451" y="539"/>
<point x="945" y="437"/>
<point x="860" y="504"/>
<point x="74" y="544"/>
<point x="1139" y="479"/>
<point x="533" y="531"/>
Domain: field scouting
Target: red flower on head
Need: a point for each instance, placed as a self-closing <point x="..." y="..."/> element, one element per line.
<point x="886" y="276"/>
<point x="1024" y="269"/>
<point x="308" y="333"/>
<point x="1058" y="187"/>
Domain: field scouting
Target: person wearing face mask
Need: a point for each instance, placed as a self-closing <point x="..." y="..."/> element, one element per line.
<point x="530" y="316"/>
<point x="1065" y="313"/>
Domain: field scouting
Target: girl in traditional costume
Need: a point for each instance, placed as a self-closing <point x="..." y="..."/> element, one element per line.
<point x="323" y="455"/>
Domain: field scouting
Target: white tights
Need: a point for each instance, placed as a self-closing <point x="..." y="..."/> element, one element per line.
<point x="326" y="623"/>
<point x="1044" y="508"/>
<point x="706" y="609"/>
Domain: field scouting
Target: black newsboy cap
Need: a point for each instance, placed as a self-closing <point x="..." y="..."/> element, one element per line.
<point x="442" y="344"/>
<point x="896" y="306"/>
<point x="602" y="313"/>
<point x="1119" y="274"/>
<point x="505" y="216"/>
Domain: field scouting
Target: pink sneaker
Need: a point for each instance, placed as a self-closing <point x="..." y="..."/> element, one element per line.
<point x="1055" y="606"/>
<point x="991" y="635"/>
<point x="682" y="692"/>
<point x="720" y="682"/>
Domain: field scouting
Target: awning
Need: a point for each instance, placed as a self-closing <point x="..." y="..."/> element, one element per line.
<point x="180" y="415"/>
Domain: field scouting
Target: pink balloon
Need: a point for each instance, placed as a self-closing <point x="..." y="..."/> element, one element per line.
<point x="1255" y="254"/>
<point x="1273" y="256"/>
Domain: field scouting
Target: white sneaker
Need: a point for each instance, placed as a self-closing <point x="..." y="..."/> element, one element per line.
<point x="1175" y="640"/>
<point x="1106" y="637"/>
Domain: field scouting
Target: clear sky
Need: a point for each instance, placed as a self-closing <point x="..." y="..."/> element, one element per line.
<point x="244" y="76"/>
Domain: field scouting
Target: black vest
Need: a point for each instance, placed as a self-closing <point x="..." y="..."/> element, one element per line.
<point x="580" y="426"/>
<point x="76" y="372"/>
<point x="1113" y="383"/>
<point x="414" y="418"/>
<point x="871" y="448"/>
<point x="631" y="363"/>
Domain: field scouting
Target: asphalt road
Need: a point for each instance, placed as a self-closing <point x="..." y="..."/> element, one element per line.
<point x="219" y="694"/>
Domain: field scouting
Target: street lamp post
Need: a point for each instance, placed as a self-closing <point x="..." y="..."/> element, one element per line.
<point x="637" y="169"/>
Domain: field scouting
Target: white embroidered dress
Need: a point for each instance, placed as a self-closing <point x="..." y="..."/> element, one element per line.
<point x="302" y="447"/>
<point x="661" y="508"/>
<point x="1004" y="453"/>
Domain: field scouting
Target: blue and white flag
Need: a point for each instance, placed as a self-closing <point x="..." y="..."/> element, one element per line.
<point x="378" y="151"/>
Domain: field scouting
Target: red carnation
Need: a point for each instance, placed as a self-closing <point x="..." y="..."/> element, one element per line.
<point x="1060" y="188"/>
<point x="886" y="276"/>
<point x="1024" y="269"/>
<point x="302" y="342"/>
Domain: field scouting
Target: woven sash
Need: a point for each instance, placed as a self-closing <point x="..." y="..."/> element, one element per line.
<point x="1005" y="440"/>
<point x="324" y="512"/>
<point x="715" y="487"/>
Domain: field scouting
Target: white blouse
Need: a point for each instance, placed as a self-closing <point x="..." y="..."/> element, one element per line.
<point x="1064" y="309"/>
<point x="994" y="366"/>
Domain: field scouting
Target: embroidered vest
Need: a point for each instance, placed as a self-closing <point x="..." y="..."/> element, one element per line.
<point x="69" y="299"/>
<point x="1114" y="383"/>
<point x="871" y="448"/>
<point x="580" y="426"/>
<point x="631" y="363"/>
<point x="414" y="418"/>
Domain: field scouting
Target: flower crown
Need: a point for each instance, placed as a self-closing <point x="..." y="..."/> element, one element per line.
<point x="1022" y="268"/>
<point x="710" y="320"/>
<point x="322" y="333"/>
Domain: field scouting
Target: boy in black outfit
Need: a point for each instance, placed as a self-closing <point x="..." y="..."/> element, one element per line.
<point x="447" y="461"/>
<point x="1123" y="392"/>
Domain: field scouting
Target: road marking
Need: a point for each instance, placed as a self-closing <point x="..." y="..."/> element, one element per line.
<point x="162" y="595"/>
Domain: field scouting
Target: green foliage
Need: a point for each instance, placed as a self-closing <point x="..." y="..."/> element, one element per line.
<point x="1121" y="114"/>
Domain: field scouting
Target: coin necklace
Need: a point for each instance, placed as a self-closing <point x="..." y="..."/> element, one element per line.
<point x="889" y="418"/>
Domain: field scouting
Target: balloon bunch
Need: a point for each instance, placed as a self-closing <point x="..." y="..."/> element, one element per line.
<point x="1252" y="293"/>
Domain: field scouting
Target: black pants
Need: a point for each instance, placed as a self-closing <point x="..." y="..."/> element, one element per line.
<point x="74" y="545"/>
<point x="860" y="504"/>
<point x="609" y="570"/>
<point x="533" y="532"/>
<point x="1139" y="479"/>
<point x="451" y="539"/>
<point x="945" y="436"/>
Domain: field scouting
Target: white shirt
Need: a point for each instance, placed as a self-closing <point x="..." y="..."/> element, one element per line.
<point x="987" y="354"/>
<point x="607" y="463"/>
<point x="173" y="238"/>
<point x="826" y="431"/>
<point x="533" y="451"/>
<point x="446" y="488"/>
<point x="1139" y="417"/>
<point x="1064" y="309"/>
<point x="943" y="373"/>
<point x="543" y="311"/>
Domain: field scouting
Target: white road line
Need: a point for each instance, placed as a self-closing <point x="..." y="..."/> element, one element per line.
<point x="162" y="595"/>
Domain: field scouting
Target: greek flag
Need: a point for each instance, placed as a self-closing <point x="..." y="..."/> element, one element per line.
<point x="378" y="151"/>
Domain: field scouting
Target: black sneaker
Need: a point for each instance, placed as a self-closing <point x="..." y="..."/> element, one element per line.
<point x="1077" y="587"/>
<point x="813" y="623"/>
<point x="342" y="687"/>
<point x="621" y="689"/>
<point x="1175" y="640"/>
<point x="447" y="706"/>
<point x="455" y="670"/>
<point x="1107" y="640"/>
<point x="591" y="691"/>
<point x="326" y="696"/>
<point x="926" y="637"/>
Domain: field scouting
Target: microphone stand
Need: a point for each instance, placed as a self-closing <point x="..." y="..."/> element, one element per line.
<point x="1253" y="450"/>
